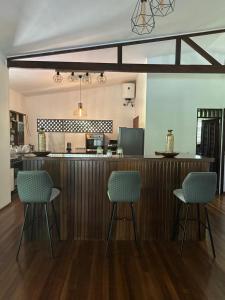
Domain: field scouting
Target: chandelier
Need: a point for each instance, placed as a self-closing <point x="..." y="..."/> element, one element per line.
<point x="143" y="18"/>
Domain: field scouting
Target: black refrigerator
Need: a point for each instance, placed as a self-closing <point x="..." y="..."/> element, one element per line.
<point x="131" y="140"/>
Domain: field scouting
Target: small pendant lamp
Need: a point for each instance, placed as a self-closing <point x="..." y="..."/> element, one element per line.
<point x="80" y="111"/>
<point x="142" y="20"/>
<point x="162" y="8"/>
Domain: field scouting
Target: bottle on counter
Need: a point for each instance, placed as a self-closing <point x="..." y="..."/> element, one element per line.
<point x="68" y="147"/>
<point x="99" y="150"/>
<point x="41" y="140"/>
<point x="170" y="141"/>
<point x="119" y="151"/>
<point x="109" y="153"/>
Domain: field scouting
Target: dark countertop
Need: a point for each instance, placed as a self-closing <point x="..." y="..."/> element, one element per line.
<point x="71" y="156"/>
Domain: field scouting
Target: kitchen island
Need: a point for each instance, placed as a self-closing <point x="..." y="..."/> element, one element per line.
<point x="84" y="209"/>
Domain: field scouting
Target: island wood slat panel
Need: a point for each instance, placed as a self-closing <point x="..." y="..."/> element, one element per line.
<point x="84" y="208"/>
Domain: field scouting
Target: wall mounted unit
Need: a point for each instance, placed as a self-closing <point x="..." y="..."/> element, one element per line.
<point x="128" y="93"/>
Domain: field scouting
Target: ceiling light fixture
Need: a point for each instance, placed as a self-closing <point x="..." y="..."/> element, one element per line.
<point x="87" y="78"/>
<point x="162" y="8"/>
<point x="58" y="77"/>
<point x="101" y="78"/>
<point x="80" y="111"/>
<point x="72" y="77"/>
<point x="143" y="18"/>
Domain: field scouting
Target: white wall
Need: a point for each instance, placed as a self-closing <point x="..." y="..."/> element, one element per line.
<point x="103" y="102"/>
<point x="172" y="102"/>
<point x="140" y="101"/>
<point x="4" y="129"/>
<point x="16" y="101"/>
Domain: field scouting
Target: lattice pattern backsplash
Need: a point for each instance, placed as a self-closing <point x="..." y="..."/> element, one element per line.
<point x="76" y="126"/>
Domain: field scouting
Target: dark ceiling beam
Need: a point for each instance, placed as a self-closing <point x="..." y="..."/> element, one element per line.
<point x="178" y="51"/>
<point x="113" y="45"/>
<point x="115" y="67"/>
<point x="201" y="51"/>
<point x="120" y="54"/>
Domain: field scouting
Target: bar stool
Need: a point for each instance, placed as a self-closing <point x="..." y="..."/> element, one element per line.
<point x="198" y="188"/>
<point x="36" y="187"/>
<point x="123" y="187"/>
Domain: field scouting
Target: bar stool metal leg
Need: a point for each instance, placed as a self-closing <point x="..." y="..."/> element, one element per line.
<point x="133" y="221"/>
<point x="199" y="221"/>
<point x="114" y="207"/>
<point x="185" y="229"/>
<point x="48" y="228"/>
<point x="210" y="233"/>
<point x="22" y="230"/>
<point x="33" y="220"/>
<point x="55" y="217"/>
<point x="176" y="226"/>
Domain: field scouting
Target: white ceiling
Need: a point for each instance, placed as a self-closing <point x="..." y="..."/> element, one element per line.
<point x="31" y="25"/>
<point x="28" y="25"/>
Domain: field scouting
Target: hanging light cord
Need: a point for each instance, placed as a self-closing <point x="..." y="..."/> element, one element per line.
<point x="80" y="88"/>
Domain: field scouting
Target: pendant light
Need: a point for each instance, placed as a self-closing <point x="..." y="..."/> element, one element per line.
<point x="72" y="77"/>
<point x="58" y="77"/>
<point x="87" y="78"/>
<point x="162" y="8"/>
<point x="80" y="111"/>
<point x="101" y="78"/>
<point x="142" y="20"/>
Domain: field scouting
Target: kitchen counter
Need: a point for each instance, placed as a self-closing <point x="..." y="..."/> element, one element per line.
<point x="84" y="208"/>
<point x="183" y="157"/>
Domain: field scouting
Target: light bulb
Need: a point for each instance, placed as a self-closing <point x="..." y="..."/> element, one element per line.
<point x="80" y="109"/>
<point x="58" y="77"/>
<point x="142" y="19"/>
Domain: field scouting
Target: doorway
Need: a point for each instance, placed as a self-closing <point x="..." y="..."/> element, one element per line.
<point x="210" y="140"/>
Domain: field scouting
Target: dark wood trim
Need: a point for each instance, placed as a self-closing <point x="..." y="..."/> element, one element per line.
<point x="114" y="67"/>
<point x="201" y="51"/>
<point x="113" y="45"/>
<point x="178" y="51"/>
<point x="222" y="154"/>
<point x="120" y="54"/>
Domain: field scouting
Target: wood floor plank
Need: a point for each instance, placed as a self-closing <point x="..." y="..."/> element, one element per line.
<point x="82" y="271"/>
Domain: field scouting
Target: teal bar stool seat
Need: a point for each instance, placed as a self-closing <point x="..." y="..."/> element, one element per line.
<point x="198" y="188"/>
<point x="123" y="187"/>
<point x="36" y="187"/>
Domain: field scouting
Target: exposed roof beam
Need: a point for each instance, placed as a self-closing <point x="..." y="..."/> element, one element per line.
<point x="113" y="45"/>
<point x="116" y="67"/>
<point x="201" y="51"/>
<point x="178" y="51"/>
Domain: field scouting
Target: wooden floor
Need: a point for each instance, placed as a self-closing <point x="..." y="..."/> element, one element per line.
<point x="81" y="271"/>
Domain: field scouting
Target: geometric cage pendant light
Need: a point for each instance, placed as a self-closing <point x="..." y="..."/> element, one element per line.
<point x="142" y="20"/>
<point x="162" y="8"/>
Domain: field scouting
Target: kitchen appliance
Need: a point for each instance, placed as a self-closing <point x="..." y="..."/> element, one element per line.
<point x="112" y="145"/>
<point x="128" y="93"/>
<point x="93" y="141"/>
<point x="131" y="140"/>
